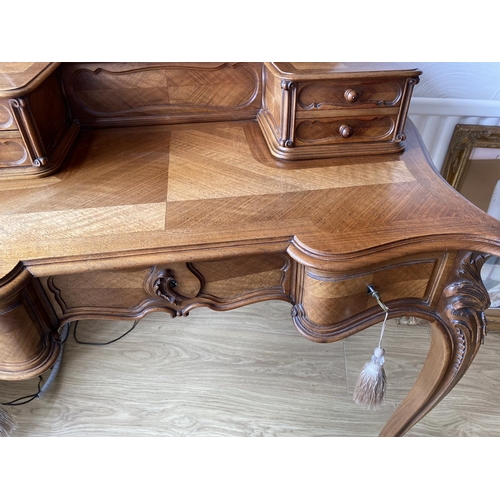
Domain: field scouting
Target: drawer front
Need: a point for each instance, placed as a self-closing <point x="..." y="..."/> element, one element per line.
<point x="175" y="288"/>
<point x="13" y="151"/>
<point x="7" y="121"/>
<point x="349" y="94"/>
<point x="327" y="303"/>
<point x="344" y="130"/>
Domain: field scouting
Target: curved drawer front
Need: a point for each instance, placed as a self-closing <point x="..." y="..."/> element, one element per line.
<point x="233" y="280"/>
<point x="349" y="94"/>
<point x="344" y="130"/>
<point x="324" y="301"/>
<point x="13" y="151"/>
<point x="7" y="121"/>
<point x="175" y="288"/>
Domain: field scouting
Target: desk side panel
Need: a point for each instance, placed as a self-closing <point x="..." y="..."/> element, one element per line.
<point x="29" y="342"/>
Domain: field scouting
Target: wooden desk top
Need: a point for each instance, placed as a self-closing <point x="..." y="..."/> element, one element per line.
<point x="18" y="78"/>
<point x="325" y="70"/>
<point x="213" y="190"/>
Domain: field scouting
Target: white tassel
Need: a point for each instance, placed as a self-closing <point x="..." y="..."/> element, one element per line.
<point x="7" y="424"/>
<point x="370" y="387"/>
<point x="371" y="384"/>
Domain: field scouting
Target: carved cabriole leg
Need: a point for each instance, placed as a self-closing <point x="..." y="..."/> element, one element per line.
<point x="457" y="333"/>
<point x="453" y="302"/>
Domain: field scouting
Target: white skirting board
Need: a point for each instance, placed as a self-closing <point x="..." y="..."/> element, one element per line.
<point x="435" y="119"/>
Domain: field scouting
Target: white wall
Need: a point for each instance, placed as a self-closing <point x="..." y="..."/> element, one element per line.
<point x="452" y="93"/>
<point x="474" y="80"/>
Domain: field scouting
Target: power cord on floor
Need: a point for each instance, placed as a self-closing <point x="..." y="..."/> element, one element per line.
<point x="19" y="401"/>
<point x="102" y="343"/>
<point x="43" y="388"/>
<point x="7" y="422"/>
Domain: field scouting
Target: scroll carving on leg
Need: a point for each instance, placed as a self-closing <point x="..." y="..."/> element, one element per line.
<point x="457" y="331"/>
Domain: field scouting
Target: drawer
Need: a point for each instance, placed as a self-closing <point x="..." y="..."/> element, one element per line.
<point x="346" y="129"/>
<point x="326" y="302"/>
<point x="13" y="151"/>
<point x="351" y="94"/>
<point x="7" y="121"/>
<point x="175" y="288"/>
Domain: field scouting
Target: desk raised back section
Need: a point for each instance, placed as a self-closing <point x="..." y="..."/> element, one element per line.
<point x="305" y="110"/>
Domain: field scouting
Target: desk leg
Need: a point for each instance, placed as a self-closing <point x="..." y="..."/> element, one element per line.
<point x="457" y="332"/>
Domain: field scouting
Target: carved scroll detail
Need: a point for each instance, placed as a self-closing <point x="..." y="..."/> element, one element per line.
<point x="28" y="130"/>
<point x="161" y="283"/>
<point x="164" y="288"/>
<point x="463" y="304"/>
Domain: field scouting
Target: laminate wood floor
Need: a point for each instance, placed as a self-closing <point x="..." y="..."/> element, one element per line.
<point x="242" y="373"/>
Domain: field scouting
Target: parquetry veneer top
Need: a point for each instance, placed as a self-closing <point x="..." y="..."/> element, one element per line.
<point x="169" y="188"/>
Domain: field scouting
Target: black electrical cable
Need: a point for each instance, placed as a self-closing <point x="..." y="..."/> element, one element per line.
<point x="102" y="343"/>
<point x="41" y="389"/>
<point x="19" y="401"/>
<point x="31" y="397"/>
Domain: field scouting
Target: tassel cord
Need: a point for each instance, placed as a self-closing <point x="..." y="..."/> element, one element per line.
<point x="383" y="330"/>
<point x="371" y="384"/>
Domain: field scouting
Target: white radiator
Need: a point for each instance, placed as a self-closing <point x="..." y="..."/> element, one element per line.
<point x="436" y="118"/>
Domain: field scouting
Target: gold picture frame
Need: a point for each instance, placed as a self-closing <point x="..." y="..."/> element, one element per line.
<point x="456" y="166"/>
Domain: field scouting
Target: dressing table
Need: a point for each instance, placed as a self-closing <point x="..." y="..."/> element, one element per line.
<point x="128" y="188"/>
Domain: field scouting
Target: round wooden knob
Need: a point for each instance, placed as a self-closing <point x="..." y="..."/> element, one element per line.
<point x="346" y="131"/>
<point x="351" y="95"/>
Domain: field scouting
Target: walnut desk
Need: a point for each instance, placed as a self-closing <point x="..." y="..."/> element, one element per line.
<point x="113" y="209"/>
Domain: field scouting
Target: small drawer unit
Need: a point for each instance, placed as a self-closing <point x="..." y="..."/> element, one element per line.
<point x="321" y="110"/>
<point x="35" y="126"/>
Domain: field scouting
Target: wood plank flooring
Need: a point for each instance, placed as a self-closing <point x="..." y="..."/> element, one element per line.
<point x="242" y="373"/>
